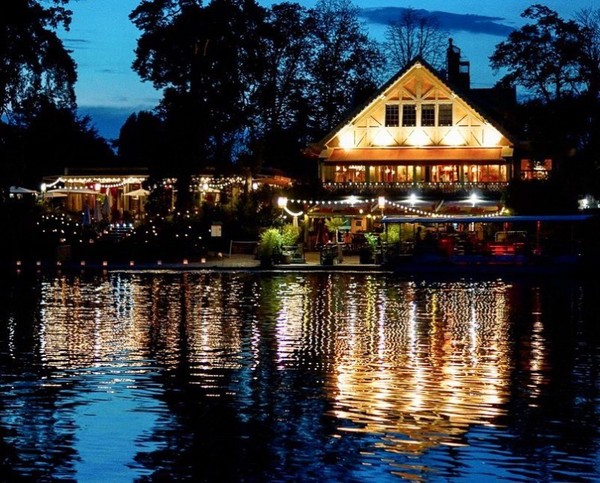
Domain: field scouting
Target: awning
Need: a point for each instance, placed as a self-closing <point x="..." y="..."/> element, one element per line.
<point x="138" y="192"/>
<point x="20" y="190"/>
<point x="486" y="219"/>
<point x="75" y="191"/>
<point x="355" y="155"/>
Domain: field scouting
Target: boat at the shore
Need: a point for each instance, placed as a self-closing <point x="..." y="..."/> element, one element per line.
<point x="543" y="244"/>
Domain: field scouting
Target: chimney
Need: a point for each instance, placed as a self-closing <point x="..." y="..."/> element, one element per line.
<point x="457" y="69"/>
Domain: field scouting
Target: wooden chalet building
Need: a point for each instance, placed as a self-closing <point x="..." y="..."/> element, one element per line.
<point x="425" y="134"/>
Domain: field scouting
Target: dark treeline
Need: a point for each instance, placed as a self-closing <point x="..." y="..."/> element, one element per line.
<point x="245" y="87"/>
<point x="556" y="63"/>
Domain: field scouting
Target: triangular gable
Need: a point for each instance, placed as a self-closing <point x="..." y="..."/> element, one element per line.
<point x="419" y="85"/>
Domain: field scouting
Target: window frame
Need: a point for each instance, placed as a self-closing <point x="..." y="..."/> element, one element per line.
<point x="392" y="119"/>
<point x="409" y="119"/>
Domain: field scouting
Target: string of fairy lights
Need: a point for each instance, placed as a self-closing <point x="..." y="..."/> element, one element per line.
<point x="380" y="203"/>
<point x="210" y="183"/>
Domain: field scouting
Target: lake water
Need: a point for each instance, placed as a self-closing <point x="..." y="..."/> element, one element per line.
<point x="242" y="376"/>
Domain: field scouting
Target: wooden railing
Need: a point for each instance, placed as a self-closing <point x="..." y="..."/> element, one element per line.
<point x="422" y="186"/>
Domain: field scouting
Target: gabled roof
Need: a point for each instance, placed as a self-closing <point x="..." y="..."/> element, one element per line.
<point x="416" y="62"/>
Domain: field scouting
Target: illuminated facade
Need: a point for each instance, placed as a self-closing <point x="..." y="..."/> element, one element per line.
<point x="417" y="134"/>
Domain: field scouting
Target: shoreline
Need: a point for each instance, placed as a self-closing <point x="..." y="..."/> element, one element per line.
<point x="224" y="263"/>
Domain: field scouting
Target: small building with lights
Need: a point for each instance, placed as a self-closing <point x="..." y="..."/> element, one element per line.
<point x="102" y="194"/>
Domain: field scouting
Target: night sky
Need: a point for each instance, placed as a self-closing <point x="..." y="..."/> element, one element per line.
<point x="103" y="40"/>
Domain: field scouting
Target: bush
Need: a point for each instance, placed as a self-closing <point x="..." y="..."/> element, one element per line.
<point x="290" y="234"/>
<point x="269" y="245"/>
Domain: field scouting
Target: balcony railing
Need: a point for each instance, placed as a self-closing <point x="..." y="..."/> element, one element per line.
<point x="421" y="186"/>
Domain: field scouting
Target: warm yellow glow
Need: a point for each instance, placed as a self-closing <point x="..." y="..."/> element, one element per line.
<point x="491" y="136"/>
<point x="347" y="140"/>
<point x="454" y="138"/>
<point x="282" y="202"/>
<point x="418" y="138"/>
<point x="383" y="138"/>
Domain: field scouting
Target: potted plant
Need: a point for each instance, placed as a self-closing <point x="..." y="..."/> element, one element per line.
<point x="335" y="224"/>
<point x="366" y="253"/>
<point x="269" y="246"/>
<point x="289" y="239"/>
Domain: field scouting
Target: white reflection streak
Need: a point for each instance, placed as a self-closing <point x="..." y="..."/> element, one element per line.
<point x="381" y="331"/>
<point x="418" y="373"/>
<point x="538" y="349"/>
<point x="11" y="336"/>
<point x="412" y="331"/>
<point x="473" y="327"/>
<point x="289" y="324"/>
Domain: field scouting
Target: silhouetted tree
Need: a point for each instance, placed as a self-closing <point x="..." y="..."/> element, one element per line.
<point x="589" y="23"/>
<point x="55" y="138"/>
<point x="558" y="63"/>
<point x="345" y="63"/>
<point x="34" y="62"/>
<point x="36" y="69"/>
<point x="279" y="127"/>
<point x="415" y="34"/>
<point x="543" y="57"/>
<point x="141" y="142"/>
<point x="204" y="58"/>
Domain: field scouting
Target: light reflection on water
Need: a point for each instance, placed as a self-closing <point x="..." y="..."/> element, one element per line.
<point x="240" y="376"/>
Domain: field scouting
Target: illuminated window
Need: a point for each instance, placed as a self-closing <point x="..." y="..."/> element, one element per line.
<point x="536" y="169"/>
<point x="445" y="115"/>
<point x="428" y="115"/>
<point x="392" y="115"/>
<point x="409" y="115"/>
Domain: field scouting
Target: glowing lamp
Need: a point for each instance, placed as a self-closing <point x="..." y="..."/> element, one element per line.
<point x="418" y="138"/>
<point x="383" y="138"/>
<point x="473" y="199"/>
<point x="453" y="138"/>
<point x="347" y="140"/>
<point x="491" y="136"/>
<point x="282" y="202"/>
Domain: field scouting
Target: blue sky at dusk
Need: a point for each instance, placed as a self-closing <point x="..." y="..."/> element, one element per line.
<point x="102" y="40"/>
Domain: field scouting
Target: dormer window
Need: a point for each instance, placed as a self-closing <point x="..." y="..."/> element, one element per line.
<point x="445" y="115"/>
<point x="428" y="115"/>
<point x="409" y="115"/>
<point x="392" y="115"/>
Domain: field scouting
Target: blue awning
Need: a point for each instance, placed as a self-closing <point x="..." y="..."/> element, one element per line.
<point x="423" y="220"/>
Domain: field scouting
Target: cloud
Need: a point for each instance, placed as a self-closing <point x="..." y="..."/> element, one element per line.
<point x="453" y="22"/>
<point x="73" y="43"/>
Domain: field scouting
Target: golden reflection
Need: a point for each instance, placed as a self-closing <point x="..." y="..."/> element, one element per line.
<point x="441" y="365"/>
<point x="537" y="357"/>
<point x="416" y="363"/>
<point x="82" y="324"/>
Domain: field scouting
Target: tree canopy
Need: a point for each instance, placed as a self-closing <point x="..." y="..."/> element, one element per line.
<point x="35" y="63"/>
<point x="236" y="76"/>
<point x="557" y="62"/>
<point x="415" y="34"/>
<point x="542" y="56"/>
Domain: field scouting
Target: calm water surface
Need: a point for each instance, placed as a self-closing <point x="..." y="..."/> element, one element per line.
<point x="207" y="376"/>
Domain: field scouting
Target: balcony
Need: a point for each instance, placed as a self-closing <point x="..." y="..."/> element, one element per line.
<point x="424" y="187"/>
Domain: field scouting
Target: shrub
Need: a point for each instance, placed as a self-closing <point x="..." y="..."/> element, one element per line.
<point x="269" y="245"/>
<point x="290" y="234"/>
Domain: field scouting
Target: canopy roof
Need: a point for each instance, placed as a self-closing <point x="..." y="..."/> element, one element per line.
<point x="422" y="220"/>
